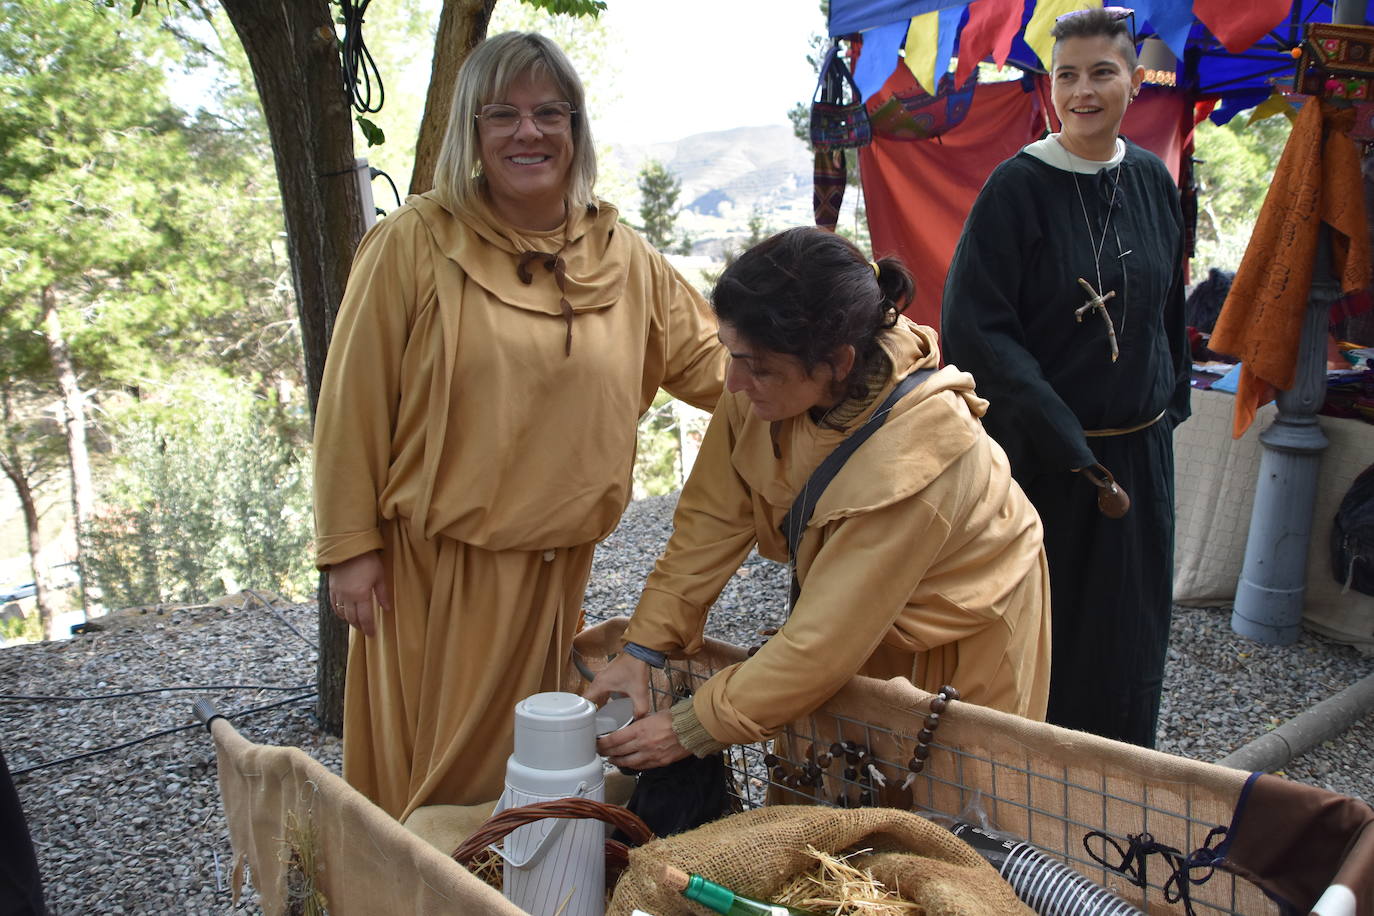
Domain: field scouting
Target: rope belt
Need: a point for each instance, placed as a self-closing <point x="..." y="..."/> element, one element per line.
<point x="1125" y="430"/>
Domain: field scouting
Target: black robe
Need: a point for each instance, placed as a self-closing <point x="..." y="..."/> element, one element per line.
<point x="1008" y="318"/>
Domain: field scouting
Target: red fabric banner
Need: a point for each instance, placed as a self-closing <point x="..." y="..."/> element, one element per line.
<point x="918" y="193"/>
<point x="1239" y="25"/>
<point x="991" y="26"/>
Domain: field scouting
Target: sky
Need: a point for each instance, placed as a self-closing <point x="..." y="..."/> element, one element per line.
<point x="690" y="66"/>
<point x="667" y="69"/>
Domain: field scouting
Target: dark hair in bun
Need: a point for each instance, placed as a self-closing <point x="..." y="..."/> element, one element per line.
<point x="806" y="292"/>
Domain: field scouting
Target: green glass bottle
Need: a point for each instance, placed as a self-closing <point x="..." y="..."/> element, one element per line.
<point x="723" y="900"/>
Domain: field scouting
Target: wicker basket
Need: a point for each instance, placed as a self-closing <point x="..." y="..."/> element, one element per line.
<point x="476" y="854"/>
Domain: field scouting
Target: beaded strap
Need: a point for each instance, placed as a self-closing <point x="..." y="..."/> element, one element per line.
<point x="938" y="704"/>
<point x="859" y="764"/>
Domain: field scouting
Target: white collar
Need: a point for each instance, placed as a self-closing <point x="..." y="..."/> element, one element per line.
<point x="1051" y="152"/>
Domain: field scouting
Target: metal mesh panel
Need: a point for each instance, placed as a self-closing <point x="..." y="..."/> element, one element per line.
<point x="1022" y="783"/>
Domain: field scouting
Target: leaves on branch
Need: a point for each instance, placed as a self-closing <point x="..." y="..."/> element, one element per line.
<point x="591" y="8"/>
<point x="371" y="132"/>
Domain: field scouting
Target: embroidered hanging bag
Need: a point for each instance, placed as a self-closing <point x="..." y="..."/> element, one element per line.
<point x="839" y="119"/>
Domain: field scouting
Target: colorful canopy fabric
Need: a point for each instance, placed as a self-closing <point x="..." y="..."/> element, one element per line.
<point x="1232" y="51"/>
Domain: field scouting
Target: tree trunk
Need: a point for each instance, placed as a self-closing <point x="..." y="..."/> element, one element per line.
<point x="293" y="51"/>
<point x="462" y="27"/>
<point x="12" y="463"/>
<point x="74" y="421"/>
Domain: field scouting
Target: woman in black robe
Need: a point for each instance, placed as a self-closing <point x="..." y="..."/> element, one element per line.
<point x="1065" y="301"/>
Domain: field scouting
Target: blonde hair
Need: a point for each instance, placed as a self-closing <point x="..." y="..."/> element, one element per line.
<point x="490" y="70"/>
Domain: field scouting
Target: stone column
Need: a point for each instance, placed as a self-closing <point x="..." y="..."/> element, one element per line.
<point x="1273" y="580"/>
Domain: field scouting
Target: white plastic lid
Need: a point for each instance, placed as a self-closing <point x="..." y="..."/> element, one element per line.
<point x="617" y="713"/>
<point x="555" y="731"/>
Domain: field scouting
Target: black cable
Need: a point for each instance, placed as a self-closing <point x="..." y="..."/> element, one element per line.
<point x="359" y="69"/>
<point x="394" y="193"/>
<point x="168" y="731"/>
<point x="267" y="604"/>
<point x="203" y="688"/>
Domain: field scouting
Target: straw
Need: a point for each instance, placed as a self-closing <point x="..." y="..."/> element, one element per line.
<point x="836" y="886"/>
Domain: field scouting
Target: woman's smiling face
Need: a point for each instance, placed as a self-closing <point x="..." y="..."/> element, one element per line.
<point x="1090" y="89"/>
<point x="527" y="172"/>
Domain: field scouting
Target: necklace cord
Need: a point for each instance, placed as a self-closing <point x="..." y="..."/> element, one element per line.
<point x="1099" y="293"/>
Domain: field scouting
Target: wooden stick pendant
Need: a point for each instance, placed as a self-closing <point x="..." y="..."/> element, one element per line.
<point x="1098" y="303"/>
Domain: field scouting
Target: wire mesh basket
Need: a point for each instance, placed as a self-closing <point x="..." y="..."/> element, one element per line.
<point x="1074" y="796"/>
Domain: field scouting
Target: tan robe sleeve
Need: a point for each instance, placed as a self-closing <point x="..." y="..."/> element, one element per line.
<point x="713" y="530"/>
<point x="356" y="416"/>
<point x="691" y="360"/>
<point x="860" y="581"/>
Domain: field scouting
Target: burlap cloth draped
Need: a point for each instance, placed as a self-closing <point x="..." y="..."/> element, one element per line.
<point x="1317" y="181"/>
<point x="364" y="861"/>
<point x="757" y="853"/>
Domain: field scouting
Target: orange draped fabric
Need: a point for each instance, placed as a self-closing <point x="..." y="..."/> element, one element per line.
<point x="1317" y="181"/>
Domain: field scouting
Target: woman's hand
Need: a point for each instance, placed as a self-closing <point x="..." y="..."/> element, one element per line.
<point x="643" y="745"/>
<point x="624" y="675"/>
<point x="352" y="586"/>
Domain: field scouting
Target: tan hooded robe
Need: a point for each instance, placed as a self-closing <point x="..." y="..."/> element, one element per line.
<point x="923" y="558"/>
<point x="483" y="441"/>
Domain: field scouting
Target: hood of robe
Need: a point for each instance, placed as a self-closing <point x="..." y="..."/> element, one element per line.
<point x="596" y="254"/>
<point x="927" y="431"/>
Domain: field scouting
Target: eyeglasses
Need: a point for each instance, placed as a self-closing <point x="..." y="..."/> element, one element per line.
<point x="504" y="120"/>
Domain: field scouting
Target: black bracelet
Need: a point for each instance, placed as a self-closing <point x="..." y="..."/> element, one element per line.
<point x="648" y="656"/>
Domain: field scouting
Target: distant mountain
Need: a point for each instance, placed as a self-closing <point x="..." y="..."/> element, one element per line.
<point x="725" y="175"/>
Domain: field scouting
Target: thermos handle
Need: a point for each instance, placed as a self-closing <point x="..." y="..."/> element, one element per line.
<point x="549" y="838"/>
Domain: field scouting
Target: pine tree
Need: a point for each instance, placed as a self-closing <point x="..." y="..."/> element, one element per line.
<point x="133" y="242"/>
<point x="658" y="205"/>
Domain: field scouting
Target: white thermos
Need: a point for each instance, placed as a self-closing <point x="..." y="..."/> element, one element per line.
<point x="555" y="865"/>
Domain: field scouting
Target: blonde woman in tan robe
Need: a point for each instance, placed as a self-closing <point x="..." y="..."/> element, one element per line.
<point x="923" y="559"/>
<point x="499" y="339"/>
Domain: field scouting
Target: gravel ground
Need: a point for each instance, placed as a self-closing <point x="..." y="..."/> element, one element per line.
<point x="138" y="829"/>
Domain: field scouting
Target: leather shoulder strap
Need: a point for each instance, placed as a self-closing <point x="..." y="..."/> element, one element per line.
<point x="804" y="506"/>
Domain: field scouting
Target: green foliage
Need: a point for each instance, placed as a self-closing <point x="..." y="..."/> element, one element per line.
<point x="659" y="190"/>
<point x="758" y="231"/>
<point x="266" y="512"/>
<point x="591" y="8"/>
<point x="140" y="4"/>
<point x="758" y="228"/>
<point x="207" y="496"/>
<point x="156" y="233"/>
<point x="670" y="435"/>
<point x="373" y="134"/>
<point x="1234" y="165"/>
<point x="400" y="37"/>
<point x="21" y="629"/>
<point x="657" y="467"/>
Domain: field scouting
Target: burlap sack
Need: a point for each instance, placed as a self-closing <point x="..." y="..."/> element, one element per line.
<point x="757" y="853"/>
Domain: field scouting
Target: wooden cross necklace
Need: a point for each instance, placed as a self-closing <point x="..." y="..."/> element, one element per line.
<point x="1097" y="296"/>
